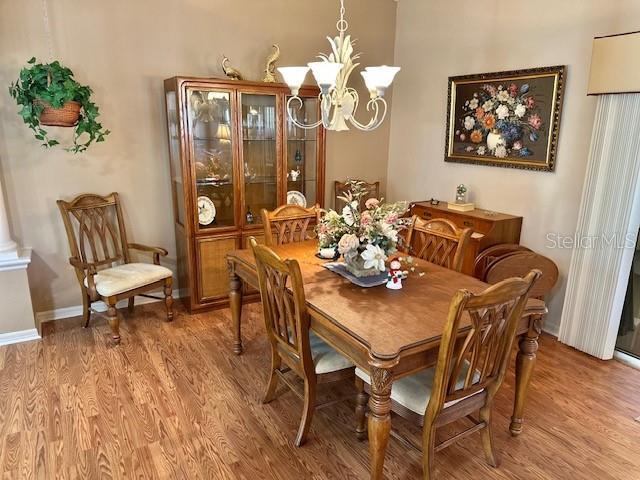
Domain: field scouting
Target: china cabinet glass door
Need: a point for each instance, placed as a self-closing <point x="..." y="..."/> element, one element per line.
<point x="302" y="154"/>
<point x="259" y="154"/>
<point x="212" y="153"/>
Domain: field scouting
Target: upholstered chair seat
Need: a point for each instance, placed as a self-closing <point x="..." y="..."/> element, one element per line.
<point x="413" y="392"/>
<point x="325" y="358"/>
<point x="128" y="276"/>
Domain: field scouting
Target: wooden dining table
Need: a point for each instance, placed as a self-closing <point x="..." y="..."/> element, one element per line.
<point x="388" y="333"/>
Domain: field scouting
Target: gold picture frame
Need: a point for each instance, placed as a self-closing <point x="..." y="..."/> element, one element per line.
<point x="506" y="119"/>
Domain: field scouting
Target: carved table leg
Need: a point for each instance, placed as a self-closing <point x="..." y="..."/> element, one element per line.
<point x="525" y="363"/>
<point x="235" y="302"/>
<point x="379" y="418"/>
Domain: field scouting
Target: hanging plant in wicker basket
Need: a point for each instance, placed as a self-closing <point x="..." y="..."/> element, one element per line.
<point x="50" y="96"/>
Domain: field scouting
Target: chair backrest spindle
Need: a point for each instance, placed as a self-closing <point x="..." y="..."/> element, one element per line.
<point x="475" y="360"/>
<point x="289" y="224"/>
<point x="438" y="241"/>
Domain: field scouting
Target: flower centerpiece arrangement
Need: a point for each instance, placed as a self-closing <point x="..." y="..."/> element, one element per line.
<point x="497" y="118"/>
<point x="365" y="238"/>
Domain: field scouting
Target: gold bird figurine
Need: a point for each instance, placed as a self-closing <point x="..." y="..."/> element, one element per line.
<point x="229" y="71"/>
<point x="270" y="69"/>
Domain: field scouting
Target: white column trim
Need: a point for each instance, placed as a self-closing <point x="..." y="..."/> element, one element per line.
<point x="610" y="208"/>
<point x="22" y="260"/>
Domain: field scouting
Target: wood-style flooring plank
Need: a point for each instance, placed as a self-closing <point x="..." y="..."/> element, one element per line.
<point x="173" y="402"/>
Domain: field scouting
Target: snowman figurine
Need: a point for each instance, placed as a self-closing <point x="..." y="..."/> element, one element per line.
<point x="394" y="277"/>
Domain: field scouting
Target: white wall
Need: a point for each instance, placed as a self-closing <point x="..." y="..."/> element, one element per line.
<point x="435" y="40"/>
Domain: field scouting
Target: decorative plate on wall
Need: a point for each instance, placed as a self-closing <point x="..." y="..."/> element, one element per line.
<point x="206" y="210"/>
<point x="295" y="197"/>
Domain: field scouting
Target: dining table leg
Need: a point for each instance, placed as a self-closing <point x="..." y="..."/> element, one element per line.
<point x="235" y="302"/>
<point x="525" y="363"/>
<point x="379" y="424"/>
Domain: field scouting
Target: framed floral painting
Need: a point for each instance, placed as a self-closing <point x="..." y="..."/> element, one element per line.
<point x="506" y="119"/>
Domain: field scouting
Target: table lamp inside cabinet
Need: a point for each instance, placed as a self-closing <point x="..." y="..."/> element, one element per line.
<point x="234" y="150"/>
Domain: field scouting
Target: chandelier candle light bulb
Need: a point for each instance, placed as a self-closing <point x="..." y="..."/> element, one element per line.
<point x="338" y="101"/>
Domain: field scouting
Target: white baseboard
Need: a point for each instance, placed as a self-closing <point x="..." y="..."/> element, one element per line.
<point x="628" y="359"/>
<point x="76" y="310"/>
<point x="19" y="336"/>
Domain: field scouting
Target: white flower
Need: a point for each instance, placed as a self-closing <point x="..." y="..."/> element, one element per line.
<point x="511" y="100"/>
<point x="374" y="257"/>
<point x="473" y="104"/>
<point x="487" y="106"/>
<point x="469" y="122"/>
<point x="502" y="112"/>
<point x="388" y="231"/>
<point x="347" y="243"/>
<point x="482" y="150"/>
<point x="501" y="151"/>
<point x="332" y="216"/>
<point x="502" y="95"/>
<point x="520" y="110"/>
<point x="469" y="148"/>
<point x="347" y="213"/>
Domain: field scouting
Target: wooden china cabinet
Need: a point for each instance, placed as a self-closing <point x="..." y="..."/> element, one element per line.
<point x="233" y="150"/>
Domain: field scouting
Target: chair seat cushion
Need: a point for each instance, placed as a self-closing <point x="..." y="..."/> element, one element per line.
<point x="414" y="391"/>
<point x="325" y="357"/>
<point x="128" y="276"/>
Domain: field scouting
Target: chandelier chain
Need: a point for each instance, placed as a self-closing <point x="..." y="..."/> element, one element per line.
<point x="342" y="24"/>
<point x="47" y="29"/>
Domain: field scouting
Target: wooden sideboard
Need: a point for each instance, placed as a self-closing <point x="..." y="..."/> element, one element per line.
<point x="489" y="228"/>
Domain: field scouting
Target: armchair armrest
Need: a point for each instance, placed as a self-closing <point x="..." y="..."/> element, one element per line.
<point x="156" y="251"/>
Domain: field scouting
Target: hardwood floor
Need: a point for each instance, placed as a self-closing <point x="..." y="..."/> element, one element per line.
<point x="173" y="402"/>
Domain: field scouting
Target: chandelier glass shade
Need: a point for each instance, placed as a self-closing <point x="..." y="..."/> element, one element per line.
<point x="338" y="101"/>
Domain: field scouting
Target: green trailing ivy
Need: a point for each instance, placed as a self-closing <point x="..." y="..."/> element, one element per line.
<point x="54" y="84"/>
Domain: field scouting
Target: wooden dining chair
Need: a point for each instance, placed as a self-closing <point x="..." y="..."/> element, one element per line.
<point x="472" y="361"/>
<point x="438" y="241"/>
<point x="492" y="253"/>
<point x="289" y="224"/>
<point x="340" y="188"/>
<point x="100" y="255"/>
<point x="293" y="346"/>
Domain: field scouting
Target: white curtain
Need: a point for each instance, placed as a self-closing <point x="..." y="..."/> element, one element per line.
<point x="606" y="231"/>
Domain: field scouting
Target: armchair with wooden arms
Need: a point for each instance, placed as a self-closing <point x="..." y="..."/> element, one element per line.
<point x="100" y="255"/>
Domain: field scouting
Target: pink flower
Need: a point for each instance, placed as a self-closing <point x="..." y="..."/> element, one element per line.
<point x="530" y="102"/>
<point x="392" y="218"/>
<point x="490" y="89"/>
<point x="371" y="203"/>
<point x="517" y="145"/>
<point x="365" y="218"/>
<point x="513" y="90"/>
<point x="535" y="121"/>
<point x="323" y="228"/>
<point x="463" y="137"/>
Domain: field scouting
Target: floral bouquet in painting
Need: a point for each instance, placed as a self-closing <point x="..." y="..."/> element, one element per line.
<point x="496" y="119"/>
<point x="364" y="237"/>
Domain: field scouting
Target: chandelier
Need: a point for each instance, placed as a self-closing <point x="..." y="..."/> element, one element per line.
<point x="338" y="101"/>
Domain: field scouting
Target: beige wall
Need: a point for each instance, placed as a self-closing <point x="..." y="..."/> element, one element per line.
<point x="124" y="49"/>
<point x="435" y="40"/>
